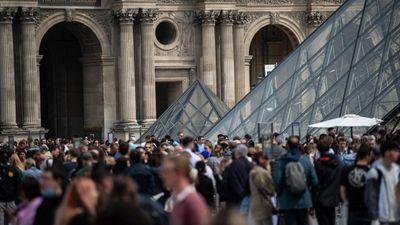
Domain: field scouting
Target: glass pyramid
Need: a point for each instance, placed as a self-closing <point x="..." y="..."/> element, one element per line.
<point x="193" y="113"/>
<point x="350" y="64"/>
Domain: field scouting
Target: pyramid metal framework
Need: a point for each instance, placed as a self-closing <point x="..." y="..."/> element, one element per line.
<point x="193" y="113"/>
<point x="350" y="64"/>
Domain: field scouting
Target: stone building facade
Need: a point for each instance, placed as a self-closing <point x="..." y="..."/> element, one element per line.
<point x="74" y="67"/>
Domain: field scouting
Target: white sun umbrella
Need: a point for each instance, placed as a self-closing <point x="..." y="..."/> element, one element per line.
<point x="349" y="120"/>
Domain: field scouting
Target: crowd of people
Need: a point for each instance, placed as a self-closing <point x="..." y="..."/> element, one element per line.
<point x="193" y="181"/>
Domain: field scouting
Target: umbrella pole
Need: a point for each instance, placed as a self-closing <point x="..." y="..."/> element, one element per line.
<point x="351" y="132"/>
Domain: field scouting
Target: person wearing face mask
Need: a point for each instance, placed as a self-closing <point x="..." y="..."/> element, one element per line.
<point x="51" y="187"/>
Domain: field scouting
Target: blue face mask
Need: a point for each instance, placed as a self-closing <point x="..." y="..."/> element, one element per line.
<point x="48" y="193"/>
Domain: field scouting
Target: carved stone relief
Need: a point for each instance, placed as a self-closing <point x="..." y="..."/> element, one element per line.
<point x="274" y="17"/>
<point x="103" y="17"/>
<point x="28" y="14"/>
<point x="315" y="18"/>
<point x="186" y="32"/>
<point x="7" y="14"/>
<point x="69" y="15"/>
<point x="45" y="13"/>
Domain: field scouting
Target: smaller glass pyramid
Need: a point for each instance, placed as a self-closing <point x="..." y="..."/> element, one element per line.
<point x="193" y="113"/>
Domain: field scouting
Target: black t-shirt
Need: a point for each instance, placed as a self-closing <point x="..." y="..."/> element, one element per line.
<point x="120" y="165"/>
<point x="354" y="178"/>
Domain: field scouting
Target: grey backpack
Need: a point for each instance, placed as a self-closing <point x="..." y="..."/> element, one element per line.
<point x="295" y="178"/>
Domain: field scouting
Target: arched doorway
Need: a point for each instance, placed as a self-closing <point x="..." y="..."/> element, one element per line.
<point x="68" y="84"/>
<point x="269" y="46"/>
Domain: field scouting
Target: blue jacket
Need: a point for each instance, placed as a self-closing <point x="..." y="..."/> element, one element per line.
<point x="286" y="199"/>
<point x="142" y="175"/>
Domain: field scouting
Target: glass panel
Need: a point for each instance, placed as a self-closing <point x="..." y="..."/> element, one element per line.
<point x="372" y="37"/>
<point x="373" y="11"/>
<point x="299" y="105"/>
<point x="390" y="72"/>
<point x="386" y="102"/>
<point x="366" y="68"/>
<point x="396" y="15"/>
<point x="359" y="100"/>
<point x="335" y="71"/>
<point x="394" y="44"/>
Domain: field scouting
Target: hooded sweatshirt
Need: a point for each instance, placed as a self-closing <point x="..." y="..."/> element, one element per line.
<point x="329" y="169"/>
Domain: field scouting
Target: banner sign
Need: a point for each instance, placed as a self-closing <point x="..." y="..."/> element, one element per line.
<point x="70" y="2"/>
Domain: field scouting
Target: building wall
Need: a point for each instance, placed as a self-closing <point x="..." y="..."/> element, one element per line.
<point x="212" y="43"/>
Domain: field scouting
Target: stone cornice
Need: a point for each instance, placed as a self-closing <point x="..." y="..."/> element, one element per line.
<point x="207" y="17"/>
<point x="126" y="15"/>
<point x="176" y="1"/>
<point x="329" y="1"/>
<point x="28" y="15"/>
<point x="7" y="14"/>
<point x="269" y="2"/>
<point x="148" y="15"/>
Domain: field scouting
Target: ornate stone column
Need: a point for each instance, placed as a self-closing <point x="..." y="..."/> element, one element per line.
<point x="7" y="73"/>
<point x="227" y="58"/>
<point x="242" y="80"/>
<point x="207" y="20"/>
<point x="147" y="18"/>
<point x="247" y="60"/>
<point x="30" y="75"/>
<point x="126" y="67"/>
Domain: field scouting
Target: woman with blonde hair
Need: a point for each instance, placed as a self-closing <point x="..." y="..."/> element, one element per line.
<point x="17" y="164"/>
<point x="79" y="204"/>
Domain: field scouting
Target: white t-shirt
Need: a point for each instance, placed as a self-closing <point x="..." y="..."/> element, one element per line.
<point x="193" y="157"/>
